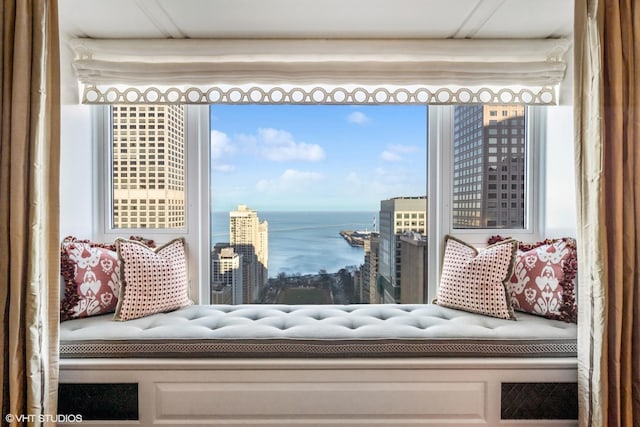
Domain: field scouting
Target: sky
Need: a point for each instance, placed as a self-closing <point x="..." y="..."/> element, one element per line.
<point x="316" y="157"/>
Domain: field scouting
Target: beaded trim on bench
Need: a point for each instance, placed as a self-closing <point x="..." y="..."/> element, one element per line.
<point x="291" y="349"/>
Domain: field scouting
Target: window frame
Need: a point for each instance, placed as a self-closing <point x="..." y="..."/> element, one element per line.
<point x="198" y="193"/>
<point x="440" y="188"/>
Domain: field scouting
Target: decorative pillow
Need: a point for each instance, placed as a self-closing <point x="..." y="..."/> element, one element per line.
<point x="91" y="274"/>
<point x="475" y="281"/>
<point x="152" y="281"/>
<point x="543" y="280"/>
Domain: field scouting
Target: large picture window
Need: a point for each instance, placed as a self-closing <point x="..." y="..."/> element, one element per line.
<point x="300" y="193"/>
<point x="160" y="182"/>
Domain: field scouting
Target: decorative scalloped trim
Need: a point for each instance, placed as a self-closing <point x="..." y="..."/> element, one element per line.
<point x="315" y="95"/>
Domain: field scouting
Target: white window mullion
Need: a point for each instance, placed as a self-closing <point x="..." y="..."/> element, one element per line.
<point x="199" y="201"/>
<point x="102" y="194"/>
<point x="440" y="137"/>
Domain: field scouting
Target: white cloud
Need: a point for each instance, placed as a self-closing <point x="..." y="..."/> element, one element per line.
<point x="290" y="181"/>
<point x="404" y="149"/>
<point x="359" y="118"/>
<point x="390" y="156"/>
<point x="280" y="146"/>
<point x="220" y="144"/>
<point x="395" y="153"/>
<point x="223" y="168"/>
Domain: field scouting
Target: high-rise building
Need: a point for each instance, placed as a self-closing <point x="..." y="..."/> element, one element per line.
<point x="397" y="216"/>
<point x="226" y="271"/>
<point x="489" y="166"/>
<point x="413" y="272"/>
<point x="370" y="269"/>
<point x="358" y="290"/>
<point x="220" y="294"/>
<point x="148" y="164"/>
<point x="263" y="254"/>
<point x="249" y="238"/>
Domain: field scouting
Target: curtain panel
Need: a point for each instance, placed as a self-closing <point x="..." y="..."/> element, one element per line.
<point x="29" y="167"/>
<point x="608" y="167"/>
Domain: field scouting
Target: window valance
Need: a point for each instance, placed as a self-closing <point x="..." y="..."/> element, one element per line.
<point x="320" y="71"/>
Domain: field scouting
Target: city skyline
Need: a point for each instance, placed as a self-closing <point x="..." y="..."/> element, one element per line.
<point x="240" y="267"/>
<point x="316" y="157"/>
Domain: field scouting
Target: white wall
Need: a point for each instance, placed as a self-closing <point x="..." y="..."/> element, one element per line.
<point x="560" y="198"/>
<point x="76" y="164"/>
<point x="76" y="160"/>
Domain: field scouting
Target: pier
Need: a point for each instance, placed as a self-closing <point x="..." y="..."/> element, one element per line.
<point x="355" y="238"/>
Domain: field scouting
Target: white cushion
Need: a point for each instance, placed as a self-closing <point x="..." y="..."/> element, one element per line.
<point x="272" y="330"/>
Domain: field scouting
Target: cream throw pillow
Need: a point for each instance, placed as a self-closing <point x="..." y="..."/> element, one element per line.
<point x="476" y="281"/>
<point x="152" y="280"/>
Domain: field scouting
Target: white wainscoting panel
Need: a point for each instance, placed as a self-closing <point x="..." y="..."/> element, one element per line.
<point x="321" y="393"/>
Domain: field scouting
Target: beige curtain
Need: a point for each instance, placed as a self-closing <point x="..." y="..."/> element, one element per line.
<point x="29" y="168"/>
<point x="608" y="167"/>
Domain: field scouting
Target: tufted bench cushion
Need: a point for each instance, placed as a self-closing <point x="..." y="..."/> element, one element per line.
<point x="316" y="331"/>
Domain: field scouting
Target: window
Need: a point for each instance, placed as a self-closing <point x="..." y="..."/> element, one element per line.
<point x="346" y="165"/>
<point x="475" y="132"/>
<point x="177" y="171"/>
<point x="476" y="223"/>
<point x="144" y="183"/>
<point x="128" y="156"/>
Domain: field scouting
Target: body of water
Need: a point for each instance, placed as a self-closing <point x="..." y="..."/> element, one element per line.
<point x="305" y="242"/>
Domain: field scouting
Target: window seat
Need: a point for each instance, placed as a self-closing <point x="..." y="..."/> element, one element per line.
<point x="331" y="330"/>
<point x="386" y="365"/>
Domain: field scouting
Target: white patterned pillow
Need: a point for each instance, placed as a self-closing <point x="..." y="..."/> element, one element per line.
<point x="476" y="281"/>
<point x="153" y="280"/>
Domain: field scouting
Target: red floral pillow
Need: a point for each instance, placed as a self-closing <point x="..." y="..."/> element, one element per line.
<point x="475" y="281"/>
<point x="543" y="281"/>
<point x="91" y="274"/>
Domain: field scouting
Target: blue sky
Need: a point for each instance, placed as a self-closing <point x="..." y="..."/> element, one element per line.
<point x="316" y="157"/>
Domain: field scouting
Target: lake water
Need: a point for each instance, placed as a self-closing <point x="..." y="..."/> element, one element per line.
<point x="305" y="242"/>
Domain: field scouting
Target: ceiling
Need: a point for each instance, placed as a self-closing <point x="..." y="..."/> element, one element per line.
<point x="325" y="19"/>
<point x="316" y="18"/>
